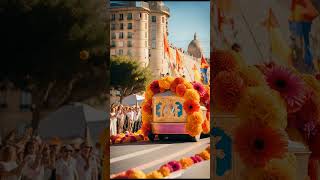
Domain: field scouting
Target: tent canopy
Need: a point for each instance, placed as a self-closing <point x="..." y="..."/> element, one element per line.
<point x="70" y="122"/>
<point x="132" y="100"/>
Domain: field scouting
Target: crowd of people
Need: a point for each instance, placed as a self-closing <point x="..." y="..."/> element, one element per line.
<point x="125" y="118"/>
<point x="30" y="158"/>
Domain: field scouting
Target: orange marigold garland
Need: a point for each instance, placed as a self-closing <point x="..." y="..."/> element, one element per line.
<point x="191" y="106"/>
<point x="175" y="83"/>
<point x="147" y="106"/>
<point x="181" y="89"/>
<point x="192" y="94"/>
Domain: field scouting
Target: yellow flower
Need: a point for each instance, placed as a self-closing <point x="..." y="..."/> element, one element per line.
<point x="164" y="84"/>
<point x="193" y="129"/>
<point x="84" y="55"/>
<point x="146" y="117"/>
<point x="277" y="169"/>
<point x="263" y="105"/>
<point x="312" y="82"/>
<point x="164" y="170"/>
<point x="155" y="175"/>
<point x="192" y="94"/>
<point x="188" y="85"/>
<point x="195" y="118"/>
<point x="148" y="94"/>
<point x="136" y="174"/>
<point x="204" y="155"/>
<point x="252" y="76"/>
<point x="186" y="162"/>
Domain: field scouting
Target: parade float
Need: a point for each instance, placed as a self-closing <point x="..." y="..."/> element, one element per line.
<point x="174" y="106"/>
<point x="266" y="120"/>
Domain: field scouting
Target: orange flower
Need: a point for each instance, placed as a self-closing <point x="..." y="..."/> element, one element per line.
<point x="165" y="171"/>
<point x="193" y="129"/>
<point x="186" y="162"/>
<point x="208" y="149"/>
<point x="181" y="89"/>
<point x="204" y="155"/>
<point x="223" y="61"/>
<point x="148" y="94"/>
<point x="147" y="106"/>
<point x="227" y="90"/>
<point x="188" y="85"/>
<point x="192" y="94"/>
<point x="195" y="118"/>
<point x="258" y="144"/>
<point x="146" y="128"/>
<point x="154" y="175"/>
<point x="146" y="117"/>
<point x="191" y="106"/>
<point x="175" y="83"/>
<point x="206" y="126"/>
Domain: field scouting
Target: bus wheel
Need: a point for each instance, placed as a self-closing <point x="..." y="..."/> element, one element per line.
<point x="151" y="136"/>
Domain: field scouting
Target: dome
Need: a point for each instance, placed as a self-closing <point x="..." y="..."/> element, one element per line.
<point x="194" y="47"/>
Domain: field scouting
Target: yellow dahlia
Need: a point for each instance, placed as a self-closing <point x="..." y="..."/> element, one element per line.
<point x="165" y="171"/>
<point x="192" y="94"/>
<point x="188" y="85"/>
<point x="164" y="84"/>
<point x="252" y="76"/>
<point x="154" y="175"/>
<point x="136" y="174"/>
<point x="195" y="118"/>
<point x="260" y="104"/>
<point x="204" y="155"/>
<point x="148" y="94"/>
<point x="186" y="162"/>
<point x="193" y="129"/>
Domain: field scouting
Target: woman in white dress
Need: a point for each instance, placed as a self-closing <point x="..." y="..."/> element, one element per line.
<point x="9" y="170"/>
<point x="120" y="119"/>
<point x="113" y="121"/>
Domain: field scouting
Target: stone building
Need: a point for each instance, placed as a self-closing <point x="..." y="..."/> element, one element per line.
<point x="137" y="29"/>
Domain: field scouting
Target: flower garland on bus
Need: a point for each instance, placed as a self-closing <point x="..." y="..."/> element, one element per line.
<point x="274" y="103"/>
<point x="194" y="94"/>
<point x="166" y="169"/>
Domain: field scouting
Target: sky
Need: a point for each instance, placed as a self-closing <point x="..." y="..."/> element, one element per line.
<point x="186" y="18"/>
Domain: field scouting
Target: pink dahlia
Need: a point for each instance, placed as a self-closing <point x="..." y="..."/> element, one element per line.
<point x="290" y="86"/>
<point x="154" y="86"/>
<point x="175" y="165"/>
<point x="200" y="88"/>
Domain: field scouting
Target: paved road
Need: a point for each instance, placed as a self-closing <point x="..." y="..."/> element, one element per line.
<point x="148" y="156"/>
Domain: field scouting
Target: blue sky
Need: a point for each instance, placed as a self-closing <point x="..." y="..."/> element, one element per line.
<point x="186" y="18"/>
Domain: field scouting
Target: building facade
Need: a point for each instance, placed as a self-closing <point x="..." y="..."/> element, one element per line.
<point x="137" y="29"/>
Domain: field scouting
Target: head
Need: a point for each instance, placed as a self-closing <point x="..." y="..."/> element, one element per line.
<point x="30" y="147"/>
<point x="67" y="151"/>
<point x="9" y="153"/>
<point x="85" y="149"/>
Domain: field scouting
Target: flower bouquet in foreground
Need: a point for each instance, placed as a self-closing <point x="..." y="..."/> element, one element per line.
<point x="274" y="103"/>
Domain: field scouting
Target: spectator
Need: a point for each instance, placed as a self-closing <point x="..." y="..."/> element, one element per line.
<point x="66" y="165"/>
<point x="9" y="169"/>
<point x="86" y="165"/>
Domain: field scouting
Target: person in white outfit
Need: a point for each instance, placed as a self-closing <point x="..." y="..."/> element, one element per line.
<point x="113" y="122"/>
<point x="66" y="165"/>
<point x="33" y="169"/>
<point x="9" y="170"/>
<point x="86" y="163"/>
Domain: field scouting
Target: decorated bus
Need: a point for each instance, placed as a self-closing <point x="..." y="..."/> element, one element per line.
<point x="174" y="107"/>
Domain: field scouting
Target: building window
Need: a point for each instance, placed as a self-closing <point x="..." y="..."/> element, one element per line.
<point x="113" y="36"/>
<point x="120" y="51"/>
<point x="162" y="19"/>
<point x="153" y="44"/>
<point x="146" y="35"/>
<point x="146" y="26"/>
<point x="25" y="100"/>
<point x="153" y="35"/>
<point x="121" y="26"/>
<point x="129" y="25"/>
<point x="154" y="19"/>
<point x="129" y="43"/>
<point x="113" y="44"/>
<point x="129" y="16"/>
<point x="121" y="44"/>
<point x="121" y="35"/>
<point x="129" y="53"/>
<point x="129" y="35"/>
<point x="120" y="16"/>
<point x="113" y="26"/>
<point x="113" y="17"/>
<point x="146" y="44"/>
<point x="140" y="15"/>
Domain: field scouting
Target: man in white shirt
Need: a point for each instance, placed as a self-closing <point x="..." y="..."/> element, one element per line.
<point x="130" y="116"/>
<point x="66" y="165"/>
<point x="86" y="163"/>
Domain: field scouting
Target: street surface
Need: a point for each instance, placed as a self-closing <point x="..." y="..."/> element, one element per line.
<point x="149" y="156"/>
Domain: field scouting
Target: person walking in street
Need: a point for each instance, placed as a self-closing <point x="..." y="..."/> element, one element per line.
<point x="66" y="165"/>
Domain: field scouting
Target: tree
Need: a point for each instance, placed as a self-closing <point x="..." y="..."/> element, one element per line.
<point x="128" y="76"/>
<point x="42" y="40"/>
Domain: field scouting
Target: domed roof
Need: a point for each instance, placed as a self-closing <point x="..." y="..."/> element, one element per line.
<point x="194" y="47"/>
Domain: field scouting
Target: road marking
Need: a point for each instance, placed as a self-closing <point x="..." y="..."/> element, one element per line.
<point x="172" y="156"/>
<point x="138" y="153"/>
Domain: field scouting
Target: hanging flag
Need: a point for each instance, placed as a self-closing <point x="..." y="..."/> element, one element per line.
<point x="178" y="60"/>
<point x="166" y="46"/>
<point x="197" y="75"/>
<point x="279" y="46"/>
<point x="204" y="70"/>
<point x="224" y="9"/>
<point x="303" y="13"/>
<point x="204" y="63"/>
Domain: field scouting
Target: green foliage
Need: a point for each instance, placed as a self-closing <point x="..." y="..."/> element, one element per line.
<point x="43" y="39"/>
<point x="127" y="75"/>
